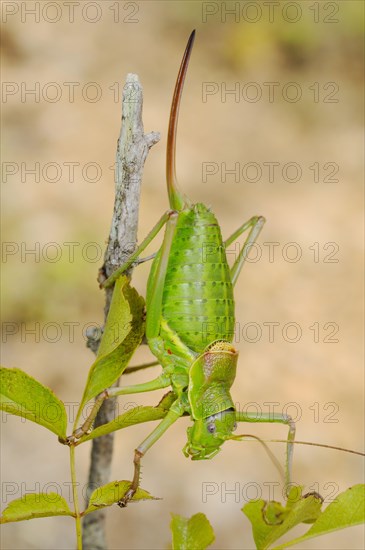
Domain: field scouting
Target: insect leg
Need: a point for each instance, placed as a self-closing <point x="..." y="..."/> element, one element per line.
<point x="151" y="235"/>
<point x="155" y="322"/>
<point x="256" y="223"/>
<point x="161" y="381"/>
<point x="154" y="312"/>
<point x="278" y="419"/>
<point x="135" y="368"/>
<point x="175" y="412"/>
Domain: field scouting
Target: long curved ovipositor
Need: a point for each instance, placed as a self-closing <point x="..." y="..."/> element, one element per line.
<point x="176" y="198"/>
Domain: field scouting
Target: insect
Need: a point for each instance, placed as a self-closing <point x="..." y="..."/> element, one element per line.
<point x="190" y="318"/>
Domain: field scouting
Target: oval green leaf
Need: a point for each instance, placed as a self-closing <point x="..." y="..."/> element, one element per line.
<point x="35" y="505"/>
<point x="137" y="415"/>
<point x="122" y="335"/>
<point x="346" y="511"/>
<point x="193" y="533"/>
<point x="109" y="494"/>
<point x="24" y="396"/>
<point x="271" y="520"/>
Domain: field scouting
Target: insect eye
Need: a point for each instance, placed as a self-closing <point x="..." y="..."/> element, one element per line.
<point x="211" y="427"/>
<point x="234" y="427"/>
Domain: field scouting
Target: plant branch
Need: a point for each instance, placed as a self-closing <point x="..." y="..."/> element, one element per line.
<point x="132" y="150"/>
<point x="75" y="498"/>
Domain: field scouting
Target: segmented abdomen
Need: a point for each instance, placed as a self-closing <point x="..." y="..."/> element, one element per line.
<point x="198" y="295"/>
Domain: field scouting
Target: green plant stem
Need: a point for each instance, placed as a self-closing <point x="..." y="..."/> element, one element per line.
<point x="75" y="498"/>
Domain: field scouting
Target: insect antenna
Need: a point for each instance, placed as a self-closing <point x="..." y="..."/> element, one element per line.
<point x="270" y="454"/>
<point x="249" y="437"/>
<point x="334" y="447"/>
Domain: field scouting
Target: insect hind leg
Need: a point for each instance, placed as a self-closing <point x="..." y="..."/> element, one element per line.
<point x="255" y="225"/>
<point x="175" y="412"/>
<point x="134" y="257"/>
<point x="275" y="418"/>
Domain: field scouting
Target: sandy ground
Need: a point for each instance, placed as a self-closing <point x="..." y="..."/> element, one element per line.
<point x="299" y="304"/>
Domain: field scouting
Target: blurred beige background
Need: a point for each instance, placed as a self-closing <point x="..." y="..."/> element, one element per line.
<point x="321" y="53"/>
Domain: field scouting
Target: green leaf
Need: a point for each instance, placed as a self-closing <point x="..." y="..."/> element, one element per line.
<point x="112" y="492"/>
<point x="36" y="505"/>
<point x="270" y="520"/>
<point x="24" y="396"/>
<point x="130" y="418"/>
<point x="123" y="333"/>
<point x="346" y="511"/>
<point x="137" y="415"/>
<point x="193" y="533"/>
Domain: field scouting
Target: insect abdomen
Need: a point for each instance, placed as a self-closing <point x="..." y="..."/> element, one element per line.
<point x="198" y="296"/>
